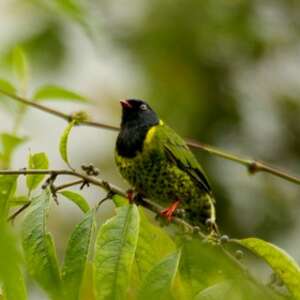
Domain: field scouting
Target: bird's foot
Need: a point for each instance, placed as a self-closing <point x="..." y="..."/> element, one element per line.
<point x="169" y="211"/>
<point x="130" y="196"/>
<point x="134" y="196"/>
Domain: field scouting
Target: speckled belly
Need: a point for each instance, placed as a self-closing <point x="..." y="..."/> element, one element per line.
<point x="154" y="176"/>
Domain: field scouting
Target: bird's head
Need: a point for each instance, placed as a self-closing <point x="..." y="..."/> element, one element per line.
<point x="137" y="113"/>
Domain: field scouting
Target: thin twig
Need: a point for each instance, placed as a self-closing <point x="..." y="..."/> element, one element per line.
<point x="68" y="184"/>
<point x="15" y="214"/>
<point x="253" y="166"/>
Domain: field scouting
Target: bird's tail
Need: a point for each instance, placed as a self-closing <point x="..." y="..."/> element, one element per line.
<point x="203" y="214"/>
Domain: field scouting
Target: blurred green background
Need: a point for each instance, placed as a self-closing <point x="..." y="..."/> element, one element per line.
<point x="224" y="72"/>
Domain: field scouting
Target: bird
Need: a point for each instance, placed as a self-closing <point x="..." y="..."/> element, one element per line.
<point x="158" y="164"/>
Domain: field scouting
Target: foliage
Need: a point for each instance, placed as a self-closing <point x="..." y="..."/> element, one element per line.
<point x="129" y="256"/>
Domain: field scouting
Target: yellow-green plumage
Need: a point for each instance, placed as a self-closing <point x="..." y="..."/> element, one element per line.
<point x="165" y="170"/>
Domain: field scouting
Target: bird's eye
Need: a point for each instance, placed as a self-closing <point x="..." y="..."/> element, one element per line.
<point x="143" y="107"/>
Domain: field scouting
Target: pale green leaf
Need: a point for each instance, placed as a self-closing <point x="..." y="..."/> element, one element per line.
<point x="38" y="245"/>
<point x="7" y="86"/>
<point x="77" y="256"/>
<point x="119" y="200"/>
<point x="160" y="279"/>
<point x="20" y="65"/>
<point x="19" y="200"/>
<point x="8" y="144"/>
<point x="282" y="264"/>
<point x="7" y="189"/>
<point x="11" y="277"/>
<point x="36" y="161"/>
<point x="52" y="92"/>
<point x="9" y="104"/>
<point x="63" y="144"/>
<point x="77" y="199"/>
<point x="114" y="253"/>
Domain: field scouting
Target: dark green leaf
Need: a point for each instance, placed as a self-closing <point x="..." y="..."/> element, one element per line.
<point x="77" y="199"/>
<point x="51" y="92"/>
<point x="159" y="280"/>
<point x="282" y="264"/>
<point x="36" y="161"/>
<point x="77" y="255"/>
<point x="153" y="244"/>
<point x="10" y="266"/>
<point x="114" y="254"/>
<point x="7" y="189"/>
<point x="39" y="247"/>
<point x="63" y="144"/>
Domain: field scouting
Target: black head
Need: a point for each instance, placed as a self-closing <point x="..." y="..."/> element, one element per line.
<point x="136" y="113"/>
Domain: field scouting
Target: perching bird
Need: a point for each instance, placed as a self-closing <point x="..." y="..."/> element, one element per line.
<point x="156" y="161"/>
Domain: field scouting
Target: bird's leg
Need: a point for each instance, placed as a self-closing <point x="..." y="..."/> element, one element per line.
<point x="134" y="196"/>
<point x="130" y="196"/>
<point x="169" y="211"/>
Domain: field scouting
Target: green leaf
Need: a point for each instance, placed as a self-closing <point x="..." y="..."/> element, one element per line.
<point x="36" y="161"/>
<point x="160" y="279"/>
<point x="77" y="255"/>
<point x="20" y="200"/>
<point x="153" y="244"/>
<point x="281" y="263"/>
<point x="77" y="199"/>
<point x="114" y="253"/>
<point x="7" y="190"/>
<point x="8" y="144"/>
<point x="119" y="200"/>
<point x="63" y="144"/>
<point x="200" y="264"/>
<point x="20" y="65"/>
<point x="6" y="86"/>
<point x="11" y="277"/>
<point x="38" y="245"/>
<point x="52" y="92"/>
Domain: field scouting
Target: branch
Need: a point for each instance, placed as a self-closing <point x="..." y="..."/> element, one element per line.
<point x="253" y="166"/>
<point x="112" y="189"/>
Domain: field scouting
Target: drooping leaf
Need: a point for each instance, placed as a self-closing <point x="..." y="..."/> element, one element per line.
<point x="8" y="144"/>
<point x="63" y="144"/>
<point x="159" y="280"/>
<point x="7" y="86"/>
<point x="11" y="277"/>
<point x="76" y="257"/>
<point x="52" y="92"/>
<point x="39" y="249"/>
<point x="5" y="101"/>
<point x="20" y="65"/>
<point x="36" y="161"/>
<point x="77" y="199"/>
<point x="114" y="253"/>
<point x="282" y="264"/>
<point x="7" y="189"/>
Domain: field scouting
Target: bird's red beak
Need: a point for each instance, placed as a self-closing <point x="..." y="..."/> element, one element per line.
<point x="125" y="104"/>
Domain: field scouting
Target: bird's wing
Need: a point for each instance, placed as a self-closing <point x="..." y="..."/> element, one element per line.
<point x="178" y="152"/>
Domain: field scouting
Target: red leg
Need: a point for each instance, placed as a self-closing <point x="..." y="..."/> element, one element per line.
<point x="130" y="196"/>
<point x="168" y="212"/>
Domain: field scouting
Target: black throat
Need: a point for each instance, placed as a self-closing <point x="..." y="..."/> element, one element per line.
<point x="131" y="139"/>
